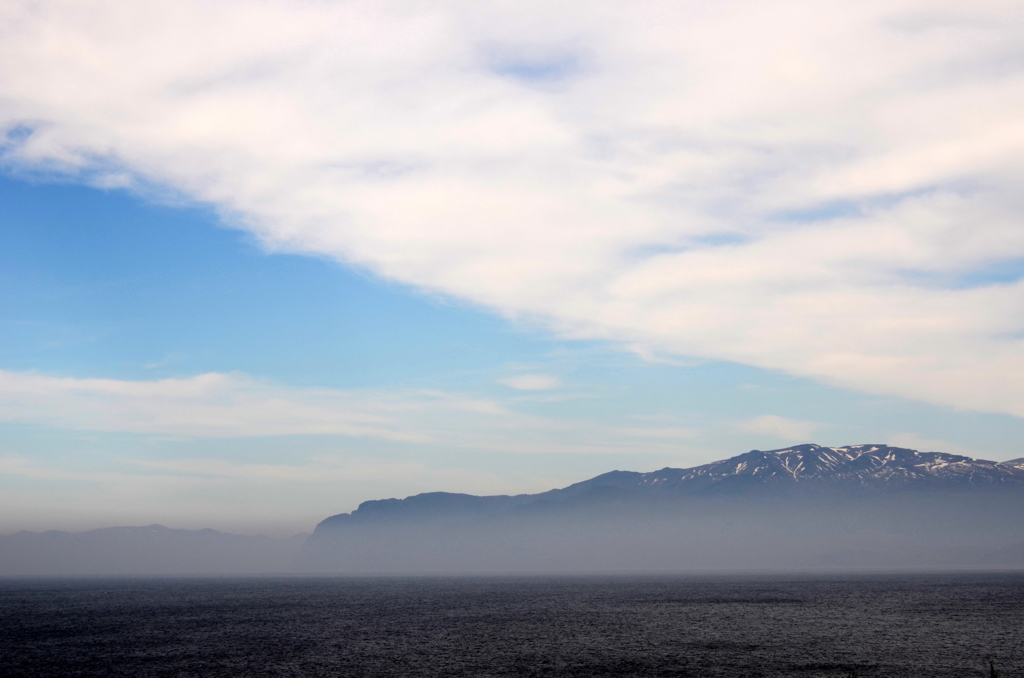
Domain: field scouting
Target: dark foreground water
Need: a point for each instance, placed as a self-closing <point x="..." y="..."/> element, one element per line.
<point x="786" y="626"/>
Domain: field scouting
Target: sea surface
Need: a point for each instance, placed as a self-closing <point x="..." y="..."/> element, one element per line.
<point x="925" y="625"/>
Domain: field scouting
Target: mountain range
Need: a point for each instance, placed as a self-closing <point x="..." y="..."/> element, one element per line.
<point x="788" y="472"/>
<point x="807" y="506"/>
<point x="804" y="507"/>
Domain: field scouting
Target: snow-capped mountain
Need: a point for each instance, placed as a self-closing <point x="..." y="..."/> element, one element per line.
<point x="807" y="506"/>
<point x="870" y="467"/>
<point x="860" y="469"/>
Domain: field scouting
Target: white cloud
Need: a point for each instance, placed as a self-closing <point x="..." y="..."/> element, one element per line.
<point x="227" y="405"/>
<point x="814" y="187"/>
<point x="532" y="382"/>
<point x="235" y="405"/>
<point x="780" y="427"/>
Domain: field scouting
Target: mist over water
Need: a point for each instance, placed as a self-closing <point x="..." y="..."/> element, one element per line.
<point x="893" y="626"/>
<point x="805" y="508"/>
<point x="614" y="534"/>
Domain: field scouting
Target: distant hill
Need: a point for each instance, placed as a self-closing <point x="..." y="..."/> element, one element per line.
<point x="853" y="507"/>
<point x="151" y="550"/>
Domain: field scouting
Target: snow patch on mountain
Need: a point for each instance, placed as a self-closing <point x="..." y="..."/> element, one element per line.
<point x="867" y="466"/>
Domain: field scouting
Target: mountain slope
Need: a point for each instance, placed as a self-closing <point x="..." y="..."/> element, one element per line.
<point x="868" y="467"/>
<point x="865" y="469"/>
<point x="859" y="506"/>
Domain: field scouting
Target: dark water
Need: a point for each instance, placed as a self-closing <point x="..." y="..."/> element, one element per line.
<point x="809" y="627"/>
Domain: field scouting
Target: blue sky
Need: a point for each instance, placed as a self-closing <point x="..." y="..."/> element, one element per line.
<point x="106" y="284"/>
<point x="317" y="254"/>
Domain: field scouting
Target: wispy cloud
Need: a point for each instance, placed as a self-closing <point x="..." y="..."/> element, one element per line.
<point x="762" y="183"/>
<point x="323" y="469"/>
<point x="532" y="382"/>
<point x="235" y="405"/>
<point x="226" y="405"/>
<point x="780" y="427"/>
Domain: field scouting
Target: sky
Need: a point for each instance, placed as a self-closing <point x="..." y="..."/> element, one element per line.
<point x="264" y="261"/>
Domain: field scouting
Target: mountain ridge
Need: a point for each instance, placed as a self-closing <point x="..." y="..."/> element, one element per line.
<point x="145" y="550"/>
<point x="858" y="463"/>
<point x="870" y="507"/>
<point x="865" y="468"/>
<point x="857" y="507"/>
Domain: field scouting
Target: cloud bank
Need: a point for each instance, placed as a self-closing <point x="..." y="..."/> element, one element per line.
<point x="830" y="189"/>
<point x="223" y="405"/>
<point x="235" y="405"/>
